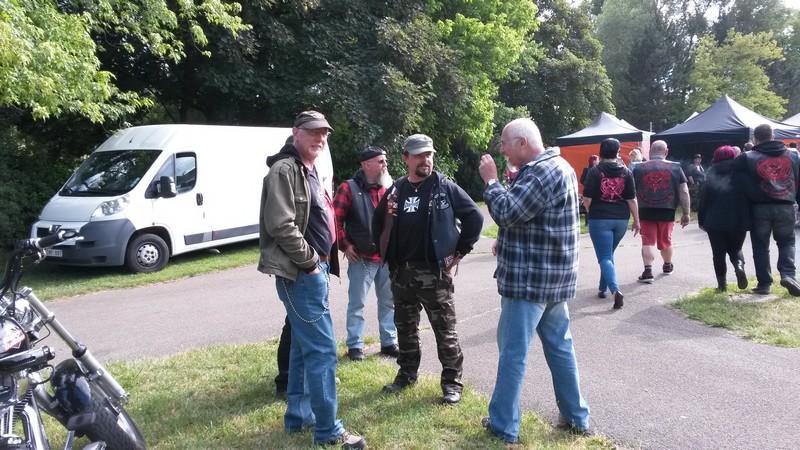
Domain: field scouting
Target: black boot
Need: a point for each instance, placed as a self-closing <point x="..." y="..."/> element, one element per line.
<point x="618" y="300"/>
<point x="722" y="284"/>
<point x="741" y="277"/>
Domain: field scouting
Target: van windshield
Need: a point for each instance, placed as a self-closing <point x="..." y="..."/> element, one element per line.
<point x="109" y="173"/>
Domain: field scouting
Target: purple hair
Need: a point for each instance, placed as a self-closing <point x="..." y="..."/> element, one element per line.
<point x="723" y="153"/>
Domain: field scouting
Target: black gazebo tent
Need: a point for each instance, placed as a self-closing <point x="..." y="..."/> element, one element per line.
<point x="604" y="126"/>
<point x="724" y="122"/>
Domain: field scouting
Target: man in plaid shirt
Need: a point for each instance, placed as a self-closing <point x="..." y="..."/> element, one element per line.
<point x="537" y="272"/>
<point x="354" y="204"/>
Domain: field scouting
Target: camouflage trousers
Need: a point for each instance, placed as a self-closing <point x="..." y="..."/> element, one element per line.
<point x="415" y="288"/>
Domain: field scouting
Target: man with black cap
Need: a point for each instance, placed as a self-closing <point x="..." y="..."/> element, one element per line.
<point x="297" y="236"/>
<point x="416" y="228"/>
<point x="354" y="205"/>
<point x="696" y="176"/>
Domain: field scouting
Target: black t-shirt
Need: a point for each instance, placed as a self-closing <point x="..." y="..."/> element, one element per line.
<point x="319" y="234"/>
<point x="610" y="186"/>
<point x="413" y="204"/>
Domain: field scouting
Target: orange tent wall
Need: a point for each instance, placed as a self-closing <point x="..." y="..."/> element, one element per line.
<point x="578" y="155"/>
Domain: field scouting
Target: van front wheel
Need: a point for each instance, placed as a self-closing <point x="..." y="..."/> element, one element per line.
<point x="147" y="253"/>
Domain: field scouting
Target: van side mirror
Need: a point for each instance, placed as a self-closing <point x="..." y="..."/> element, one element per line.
<point x="166" y="187"/>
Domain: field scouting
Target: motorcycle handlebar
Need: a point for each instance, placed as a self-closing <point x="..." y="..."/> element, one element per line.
<point x="47" y="241"/>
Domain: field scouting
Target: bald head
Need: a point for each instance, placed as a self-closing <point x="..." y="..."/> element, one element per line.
<point x="658" y="149"/>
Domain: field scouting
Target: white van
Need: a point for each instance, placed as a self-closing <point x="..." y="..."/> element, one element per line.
<point x="154" y="191"/>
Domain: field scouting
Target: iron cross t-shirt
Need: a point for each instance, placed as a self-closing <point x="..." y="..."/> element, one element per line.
<point x="414" y="201"/>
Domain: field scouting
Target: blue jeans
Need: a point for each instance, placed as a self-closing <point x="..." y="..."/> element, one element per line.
<point x="311" y="392"/>
<point x="361" y="274"/>
<point x="518" y="320"/>
<point x="778" y="220"/>
<point x="606" y="235"/>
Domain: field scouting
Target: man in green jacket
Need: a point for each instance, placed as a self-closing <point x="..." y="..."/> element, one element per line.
<point x="297" y="246"/>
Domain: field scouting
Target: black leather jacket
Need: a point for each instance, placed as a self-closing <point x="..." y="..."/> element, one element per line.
<point x="455" y="221"/>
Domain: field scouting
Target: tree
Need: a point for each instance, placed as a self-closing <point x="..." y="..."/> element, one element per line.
<point x="749" y="17"/>
<point x="629" y="34"/>
<point x="383" y="70"/>
<point x="736" y="68"/>
<point x="647" y="49"/>
<point x="785" y="74"/>
<point x="566" y="87"/>
<point x="49" y="63"/>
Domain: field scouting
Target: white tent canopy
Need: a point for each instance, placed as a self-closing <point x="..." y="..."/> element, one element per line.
<point x="794" y="120"/>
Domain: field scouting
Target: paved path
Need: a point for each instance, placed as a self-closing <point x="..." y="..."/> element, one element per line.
<point x="653" y="379"/>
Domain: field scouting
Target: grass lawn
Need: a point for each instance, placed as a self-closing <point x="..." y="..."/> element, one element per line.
<point x="223" y="397"/>
<point x="51" y="281"/>
<point x="773" y="320"/>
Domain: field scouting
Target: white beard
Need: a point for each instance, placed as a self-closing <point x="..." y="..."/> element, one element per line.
<point x="385" y="180"/>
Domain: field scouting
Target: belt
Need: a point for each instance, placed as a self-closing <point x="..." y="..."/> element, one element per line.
<point x="324" y="258"/>
<point x="415" y="265"/>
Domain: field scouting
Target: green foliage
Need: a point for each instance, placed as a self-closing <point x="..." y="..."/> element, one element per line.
<point x="564" y="86"/>
<point x="647" y="50"/>
<point x="26" y="177"/>
<point x="736" y="68"/>
<point x="489" y="39"/>
<point x="48" y="64"/>
<point x="750" y="17"/>
<point x="785" y="74"/>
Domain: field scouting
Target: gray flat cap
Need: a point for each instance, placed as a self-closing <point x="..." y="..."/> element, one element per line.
<point x="418" y="143"/>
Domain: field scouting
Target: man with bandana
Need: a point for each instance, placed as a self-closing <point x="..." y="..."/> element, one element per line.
<point x="354" y="204"/>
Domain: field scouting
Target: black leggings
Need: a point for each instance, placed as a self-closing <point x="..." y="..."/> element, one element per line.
<point x="726" y="243"/>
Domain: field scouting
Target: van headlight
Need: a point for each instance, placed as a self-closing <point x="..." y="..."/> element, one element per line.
<point x="112" y="207"/>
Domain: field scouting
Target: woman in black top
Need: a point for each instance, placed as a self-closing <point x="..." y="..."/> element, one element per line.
<point x="724" y="213"/>
<point x="610" y="199"/>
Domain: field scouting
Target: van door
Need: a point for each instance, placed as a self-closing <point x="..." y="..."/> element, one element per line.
<point x="185" y="214"/>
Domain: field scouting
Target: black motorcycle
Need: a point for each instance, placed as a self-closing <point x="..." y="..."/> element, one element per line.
<point x="83" y="396"/>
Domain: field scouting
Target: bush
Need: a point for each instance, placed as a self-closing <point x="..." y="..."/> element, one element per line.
<point x="28" y="178"/>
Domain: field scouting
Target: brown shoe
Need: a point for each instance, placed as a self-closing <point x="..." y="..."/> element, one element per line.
<point x="347" y="441"/>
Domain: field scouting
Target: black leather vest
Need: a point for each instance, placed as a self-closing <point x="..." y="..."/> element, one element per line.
<point x="774" y="177"/>
<point x="358" y="223"/>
